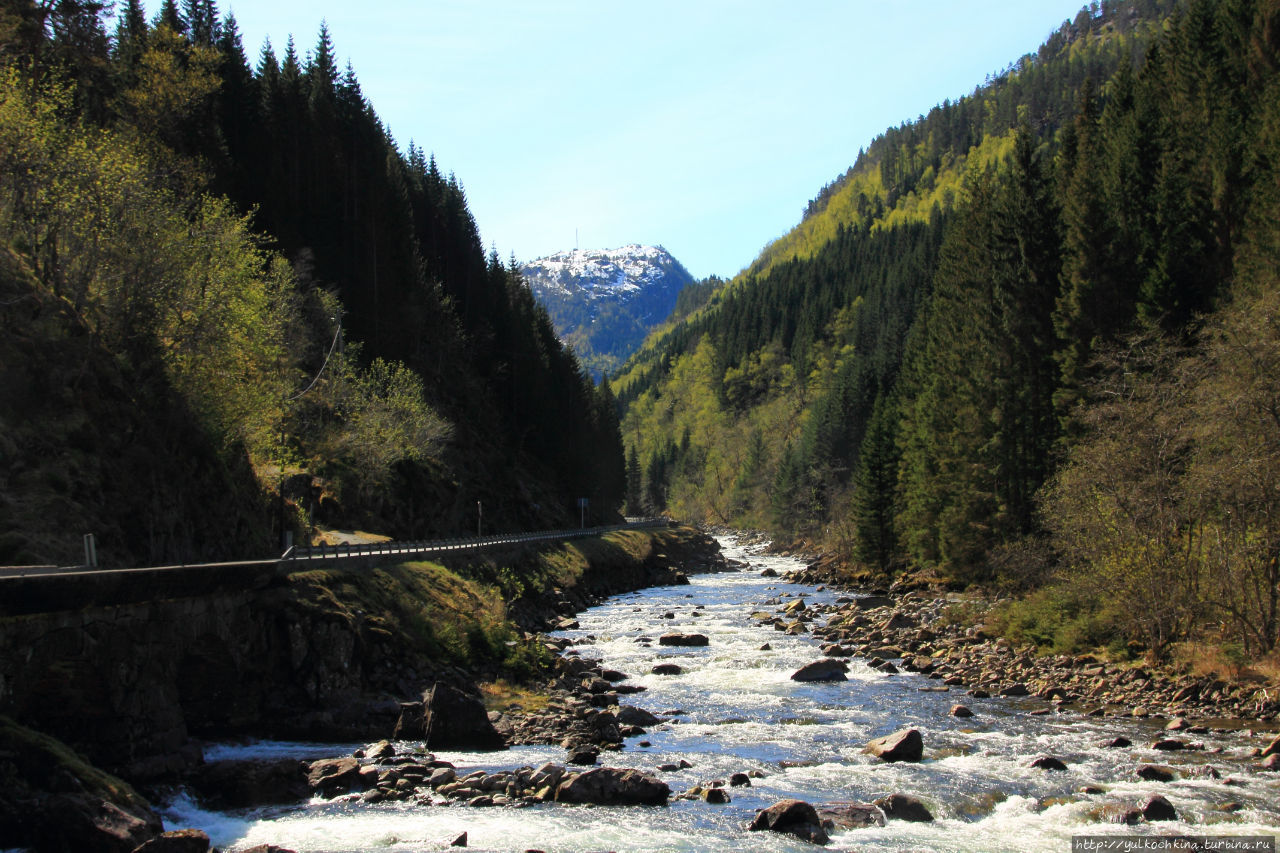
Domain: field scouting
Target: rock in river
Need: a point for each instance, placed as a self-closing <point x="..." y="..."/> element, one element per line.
<point x="827" y="669"/>
<point x="447" y="718"/>
<point x="903" y="807"/>
<point x="612" y="786"/>
<point x="794" y="817"/>
<point x="850" y="815"/>
<point x="904" y="745"/>
<point x="677" y="639"/>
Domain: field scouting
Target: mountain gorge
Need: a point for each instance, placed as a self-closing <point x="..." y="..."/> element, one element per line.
<point x="604" y="302"/>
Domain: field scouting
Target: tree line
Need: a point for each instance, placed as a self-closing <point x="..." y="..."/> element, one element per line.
<point x="253" y="240"/>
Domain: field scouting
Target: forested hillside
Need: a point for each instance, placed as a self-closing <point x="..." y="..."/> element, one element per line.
<point x="1027" y="340"/>
<point x="230" y="303"/>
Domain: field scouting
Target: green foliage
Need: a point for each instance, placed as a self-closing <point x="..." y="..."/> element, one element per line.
<point x="900" y="375"/>
<point x="129" y="169"/>
<point x="1058" y="619"/>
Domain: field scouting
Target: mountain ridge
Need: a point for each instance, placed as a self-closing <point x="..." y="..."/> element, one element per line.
<point x="603" y="302"/>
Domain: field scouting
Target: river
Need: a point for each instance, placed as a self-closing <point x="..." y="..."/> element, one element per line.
<point x="740" y="712"/>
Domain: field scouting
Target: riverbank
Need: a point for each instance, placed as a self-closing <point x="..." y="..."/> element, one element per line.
<point x="946" y="636"/>
<point x="326" y="655"/>
<point x="714" y="665"/>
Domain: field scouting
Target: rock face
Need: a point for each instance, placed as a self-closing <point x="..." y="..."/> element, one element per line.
<point x="903" y="745"/>
<point x="605" y="302"/>
<point x="794" y="817"/>
<point x="611" y="786"/>
<point x="827" y="669"/>
<point x="447" y="718"/>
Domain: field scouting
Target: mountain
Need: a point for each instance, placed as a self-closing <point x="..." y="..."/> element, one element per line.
<point x="1026" y="336"/>
<point x="604" y="302"/>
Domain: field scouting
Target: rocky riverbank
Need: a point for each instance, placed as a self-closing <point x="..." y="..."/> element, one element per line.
<point x="920" y="631"/>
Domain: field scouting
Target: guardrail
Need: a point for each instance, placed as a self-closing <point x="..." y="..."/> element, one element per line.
<point x="445" y="546"/>
<point x="329" y="553"/>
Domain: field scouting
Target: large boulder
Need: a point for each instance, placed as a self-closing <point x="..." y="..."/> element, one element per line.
<point x="827" y="669"/>
<point x="329" y="777"/>
<point x="630" y="715"/>
<point x="247" y="784"/>
<point x="447" y="718"/>
<point x="677" y="639"/>
<point x="612" y="786"/>
<point x="903" y="745"/>
<point x="793" y="817"/>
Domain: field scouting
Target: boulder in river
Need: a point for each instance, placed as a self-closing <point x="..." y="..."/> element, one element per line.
<point x="668" y="669"/>
<point x="1048" y="762"/>
<point x="1156" y="773"/>
<point x="903" y="745"/>
<point x="904" y="807"/>
<point x="612" y="786"/>
<point x="1157" y="807"/>
<point x="850" y="815"/>
<point x="447" y="718"/>
<point x="1273" y="748"/>
<point x="630" y="715"/>
<point x="961" y="711"/>
<point x="332" y="776"/>
<point x="678" y="639"/>
<point x="583" y="755"/>
<point x="827" y="669"/>
<point x="793" y="817"/>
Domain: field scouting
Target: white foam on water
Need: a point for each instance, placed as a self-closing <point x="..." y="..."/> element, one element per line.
<point x="743" y="712"/>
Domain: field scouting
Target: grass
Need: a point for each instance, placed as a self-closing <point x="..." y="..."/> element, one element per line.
<point x="456" y="612"/>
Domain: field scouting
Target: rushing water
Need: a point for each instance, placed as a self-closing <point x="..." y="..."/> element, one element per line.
<point x="742" y="712"/>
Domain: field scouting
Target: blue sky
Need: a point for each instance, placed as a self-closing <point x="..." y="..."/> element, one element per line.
<point x="701" y="125"/>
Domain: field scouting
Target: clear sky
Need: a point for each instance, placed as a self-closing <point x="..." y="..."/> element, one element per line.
<point x="704" y="126"/>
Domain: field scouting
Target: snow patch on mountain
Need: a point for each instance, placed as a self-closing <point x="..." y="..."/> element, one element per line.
<point x="604" y="301"/>
<point x="602" y="273"/>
